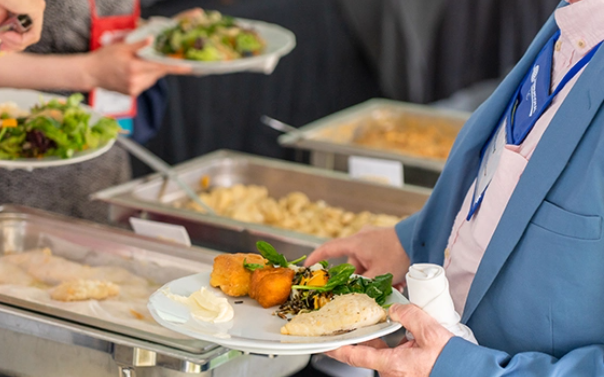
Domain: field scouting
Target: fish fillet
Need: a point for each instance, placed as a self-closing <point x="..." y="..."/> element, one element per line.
<point x="79" y="290"/>
<point x="343" y="313"/>
<point x="47" y="268"/>
<point x="10" y="274"/>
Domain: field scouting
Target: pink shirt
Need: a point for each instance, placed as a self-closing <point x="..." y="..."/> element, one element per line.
<point x="581" y="29"/>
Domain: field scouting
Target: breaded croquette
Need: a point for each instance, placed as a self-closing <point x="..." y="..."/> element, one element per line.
<point x="229" y="274"/>
<point x="271" y="286"/>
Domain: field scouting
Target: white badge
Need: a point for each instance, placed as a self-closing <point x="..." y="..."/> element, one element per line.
<point x="490" y="161"/>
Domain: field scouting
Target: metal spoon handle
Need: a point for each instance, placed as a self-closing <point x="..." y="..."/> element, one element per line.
<point x="161" y="166"/>
<point x="278" y="125"/>
<point x="20" y="23"/>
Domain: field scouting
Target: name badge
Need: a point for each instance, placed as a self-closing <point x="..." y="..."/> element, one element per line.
<point x="530" y="101"/>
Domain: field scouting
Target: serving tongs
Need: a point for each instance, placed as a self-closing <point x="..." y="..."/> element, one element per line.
<point x="162" y="167"/>
<point x="20" y="23"/>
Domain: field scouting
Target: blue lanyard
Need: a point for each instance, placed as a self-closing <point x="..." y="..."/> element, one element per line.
<point x="528" y="92"/>
<point x="529" y="102"/>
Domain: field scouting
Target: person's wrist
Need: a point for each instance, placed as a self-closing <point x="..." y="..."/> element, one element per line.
<point x="401" y="257"/>
<point x="89" y="76"/>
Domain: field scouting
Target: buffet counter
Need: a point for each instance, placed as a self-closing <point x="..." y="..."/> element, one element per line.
<point x="40" y="335"/>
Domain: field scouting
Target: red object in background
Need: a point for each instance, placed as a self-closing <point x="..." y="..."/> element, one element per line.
<point x="105" y="31"/>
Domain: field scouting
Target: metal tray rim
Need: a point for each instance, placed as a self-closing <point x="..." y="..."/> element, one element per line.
<point x="122" y="195"/>
<point x="303" y="137"/>
<point x="116" y="338"/>
<point x="175" y="252"/>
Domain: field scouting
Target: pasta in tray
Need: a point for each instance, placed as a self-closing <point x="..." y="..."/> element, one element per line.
<point x="295" y="211"/>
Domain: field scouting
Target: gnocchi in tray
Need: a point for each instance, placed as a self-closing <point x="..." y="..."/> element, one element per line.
<point x="295" y="211"/>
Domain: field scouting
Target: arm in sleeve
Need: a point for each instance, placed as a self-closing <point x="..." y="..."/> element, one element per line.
<point x="404" y="231"/>
<point x="151" y="108"/>
<point x="461" y="358"/>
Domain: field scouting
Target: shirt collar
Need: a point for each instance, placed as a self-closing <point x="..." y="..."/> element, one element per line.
<point x="581" y="23"/>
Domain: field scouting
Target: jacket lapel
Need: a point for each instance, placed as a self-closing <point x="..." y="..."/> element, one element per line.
<point x="547" y="163"/>
<point x="479" y="128"/>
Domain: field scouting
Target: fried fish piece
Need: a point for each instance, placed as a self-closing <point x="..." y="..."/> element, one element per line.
<point x="47" y="268"/>
<point x="117" y="275"/>
<point x="80" y="290"/>
<point x="230" y="276"/>
<point x="271" y="286"/>
<point x="10" y="274"/>
<point x="342" y="314"/>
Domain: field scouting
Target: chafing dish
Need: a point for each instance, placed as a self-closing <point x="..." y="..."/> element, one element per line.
<point x="334" y="138"/>
<point x="154" y="198"/>
<point x="38" y="339"/>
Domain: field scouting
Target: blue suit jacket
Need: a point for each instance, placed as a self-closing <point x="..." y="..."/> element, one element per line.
<point x="536" y="304"/>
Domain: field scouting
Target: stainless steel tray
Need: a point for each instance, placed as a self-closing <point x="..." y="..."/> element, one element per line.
<point x="63" y="348"/>
<point x="331" y="139"/>
<point x="23" y="229"/>
<point x="153" y="198"/>
<point x="68" y="344"/>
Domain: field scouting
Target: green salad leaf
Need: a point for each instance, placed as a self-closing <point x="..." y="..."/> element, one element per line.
<point x="252" y="266"/>
<point x="338" y="276"/>
<point x="341" y="282"/>
<point x="209" y="36"/>
<point x="296" y="261"/>
<point x="55" y="128"/>
<point x="341" y="277"/>
<point x="268" y="252"/>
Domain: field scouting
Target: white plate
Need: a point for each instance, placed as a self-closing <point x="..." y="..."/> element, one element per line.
<point x="25" y="99"/>
<point x="253" y="329"/>
<point x="279" y="42"/>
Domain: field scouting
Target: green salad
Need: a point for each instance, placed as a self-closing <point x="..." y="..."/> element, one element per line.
<point x="54" y="128"/>
<point x="314" y="286"/>
<point x="210" y="36"/>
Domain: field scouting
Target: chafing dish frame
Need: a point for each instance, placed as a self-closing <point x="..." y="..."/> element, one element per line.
<point x="231" y="235"/>
<point x="130" y="349"/>
<point x="329" y="154"/>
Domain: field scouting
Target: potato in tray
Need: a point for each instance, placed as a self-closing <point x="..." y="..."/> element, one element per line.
<point x="294" y="211"/>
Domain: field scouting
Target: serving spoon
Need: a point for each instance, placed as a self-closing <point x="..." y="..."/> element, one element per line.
<point x="161" y="166"/>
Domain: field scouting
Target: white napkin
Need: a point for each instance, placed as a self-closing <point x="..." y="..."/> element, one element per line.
<point x="429" y="289"/>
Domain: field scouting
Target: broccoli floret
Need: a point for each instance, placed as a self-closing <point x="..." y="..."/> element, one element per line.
<point x="247" y="42"/>
<point x="208" y="53"/>
<point x="176" y="40"/>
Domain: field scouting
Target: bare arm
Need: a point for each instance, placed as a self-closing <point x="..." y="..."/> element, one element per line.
<point x="115" y="67"/>
<point x="46" y="72"/>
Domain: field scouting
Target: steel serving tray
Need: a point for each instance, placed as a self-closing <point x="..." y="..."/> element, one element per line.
<point x="331" y="140"/>
<point x="23" y="229"/>
<point x="152" y="197"/>
<point x="68" y="344"/>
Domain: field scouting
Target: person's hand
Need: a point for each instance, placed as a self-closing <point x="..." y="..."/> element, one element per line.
<point x="116" y="67"/>
<point x="13" y="41"/>
<point x="414" y="358"/>
<point x="372" y="252"/>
